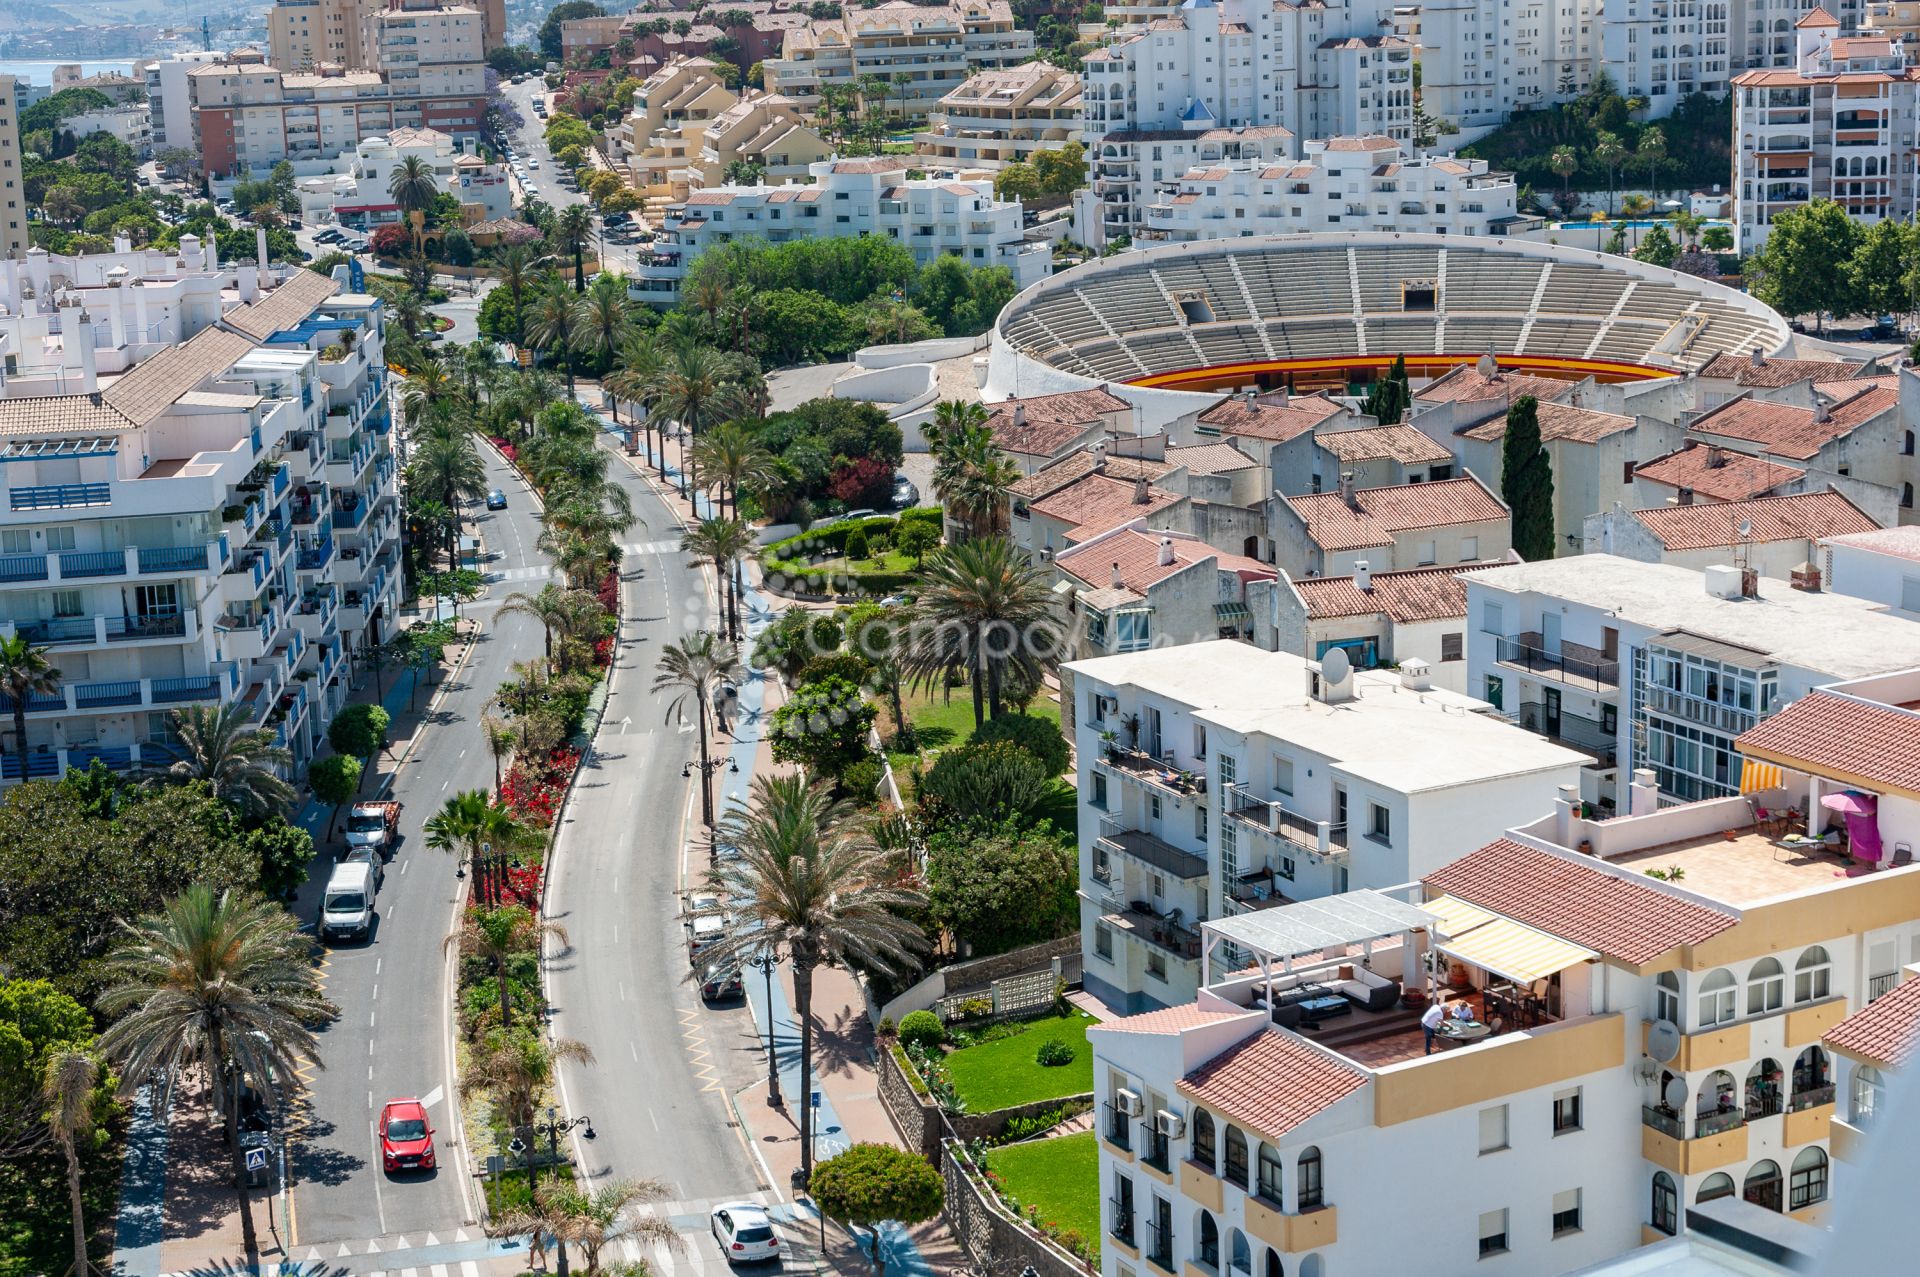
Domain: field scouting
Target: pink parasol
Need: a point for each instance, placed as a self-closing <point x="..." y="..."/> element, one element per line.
<point x="1851" y="803"/>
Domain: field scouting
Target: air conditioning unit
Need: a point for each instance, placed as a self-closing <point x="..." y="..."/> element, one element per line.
<point x="1169" y="1124"/>
<point x="1129" y="1102"/>
<point x="1112" y="703"/>
<point x="1046" y="554"/>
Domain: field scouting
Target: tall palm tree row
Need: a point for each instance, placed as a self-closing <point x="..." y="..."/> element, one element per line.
<point x="723" y="543"/>
<point x="983" y="610"/>
<point x="693" y="670"/>
<point x="820" y="889"/>
<point x="471" y="826"/>
<point x="574" y="225"/>
<point x="554" y="323"/>
<point x="496" y="935"/>
<point x="700" y="388"/>
<point x="25" y="672"/>
<point x="221" y="983"/>
<point x="971" y="473"/>
<point x="636" y="378"/>
<point x="731" y="457"/>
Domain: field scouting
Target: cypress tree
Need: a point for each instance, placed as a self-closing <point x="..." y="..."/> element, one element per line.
<point x="1526" y="481"/>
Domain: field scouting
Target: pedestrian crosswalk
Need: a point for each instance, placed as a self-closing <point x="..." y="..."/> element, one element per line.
<point x="541" y="572"/>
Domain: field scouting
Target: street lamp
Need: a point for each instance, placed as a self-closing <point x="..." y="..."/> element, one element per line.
<point x="765" y="963"/>
<point x="707" y="766"/>
<point x="554" y="1127"/>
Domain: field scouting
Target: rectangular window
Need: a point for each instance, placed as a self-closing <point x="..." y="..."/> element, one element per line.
<point x="1493" y="1233"/>
<point x="1566" y="1111"/>
<point x="1496" y="693"/>
<point x="1469" y="549"/>
<point x="1566" y="1212"/>
<point x="1157" y="966"/>
<point x="1493" y="1129"/>
<point x="1452" y="647"/>
<point x="1103" y="941"/>
<point x="1199" y="740"/>
<point x="1379" y="823"/>
<point x="1283" y="775"/>
<point x="1136" y="631"/>
<point x="1427" y="552"/>
<point x="67" y="603"/>
<point x="1096" y="630"/>
<point x="1099" y="790"/>
<point x="1285" y="868"/>
<point x="16" y="541"/>
<point x="1808" y="1185"/>
<point x="60" y="539"/>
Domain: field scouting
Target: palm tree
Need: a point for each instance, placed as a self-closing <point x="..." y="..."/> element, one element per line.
<point x="1565" y="162"/>
<point x="574" y="226"/>
<point x="428" y="383"/>
<point x="471" y="827"/>
<point x="498" y="934"/>
<point x="554" y="324"/>
<point x="480" y="365"/>
<point x="723" y="543"/>
<point x="694" y="669"/>
<point x="499" y="738"/>
<point x="605" y="318"/>
<point x="448" y="471"/>
<point x="549" y="607"/>
<point x="696" y="391"/>
<point x="1609" y="152"/>
<point x="226" y="983"/>
<point x="513" y="266"/>
<point x="414" y="187"/>
<point x="636" y="377"/>
<point x="820" y="889"/>
<point x="517" y="1067"/>
<point x="25" y="672"/>
<point x="984" y="609"/>
<point x="973" y="476"/>
<point x="598" y="1217"/>
<point x="215" y="744"/>
<point x="411" y="315"/>
<point x="67" y="1088"/>
<point x="731" y="457"/>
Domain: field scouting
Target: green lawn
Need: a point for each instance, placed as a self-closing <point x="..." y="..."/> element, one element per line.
<point x="997" y="1075"/>
<point x="1061" y="1176"/>
<point x="939" y="720"/>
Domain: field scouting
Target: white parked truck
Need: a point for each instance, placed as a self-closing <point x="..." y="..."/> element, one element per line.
<point x="374" y="825"/>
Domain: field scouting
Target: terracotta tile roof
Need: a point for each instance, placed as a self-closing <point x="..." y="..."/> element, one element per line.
<point x="1582" y="903"/>
<point x="1275" y="417"/>
<point x="1719" y="473"/>
<point x="710" y="197"/>
<point x="1210" y="458"/>
<point x="1422" y="594"/>
<point x="59" y="415"/>
<point x="1818" y="18"/>
<point x="1885" y="1031"/>
<point x="1772" y="372"/>
<point x="1559" y="421"/>
<point x="1901" y="543"/>
<point x="1400" y="443"/>
<point x="1799" y="516"/>
<point x="1050" y="422"/>
<point x="284" y="307"/>
<point x="1075" y="465"/>
<point x="1788" y="431"/>
<point x="1335" y="525"/>
<point x="1844" y="736"/>
<point x="151" y="386"/>
<point x="1372" y="142"/>
<point x="1273" y="1082"/>
<point x="1096" y="502"/>
<point x="1136" y="556"/>
<point x="1170" y="1020"/>
<point x="1465" y="384"/>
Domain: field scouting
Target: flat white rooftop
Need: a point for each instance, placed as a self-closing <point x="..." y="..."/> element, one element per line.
<point x="1403" y="740"/>
<point x="1828" y="633"/>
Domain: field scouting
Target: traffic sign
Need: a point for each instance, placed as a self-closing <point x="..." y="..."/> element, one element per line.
<point x="256" y="1159"/>
<point x="814" y="1099"/>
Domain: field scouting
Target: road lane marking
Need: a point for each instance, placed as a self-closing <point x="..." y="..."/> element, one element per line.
<point x="433" y="1097"/>
<point x="379" y="1199"/>
<point x="634" y="1051"/>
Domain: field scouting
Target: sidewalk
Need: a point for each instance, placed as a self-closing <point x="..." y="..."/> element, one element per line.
<point x="849" y="1108"/>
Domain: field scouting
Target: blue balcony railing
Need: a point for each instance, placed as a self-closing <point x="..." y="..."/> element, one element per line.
<point x="281" y="479"/>
<point x="60" y="496"/>
<point x="173" y="558"/>
<point x="36" y="701"/>
<point x="198" y="687"/>
<point x="116" y="758"/>
<point x="85" y="563"/>
<point x="316" y="557"/>
<point x="23" y="567"/>
<point x="350" y="516"/>
<point x="38" y="765"/>
<point x="95" y="695"/>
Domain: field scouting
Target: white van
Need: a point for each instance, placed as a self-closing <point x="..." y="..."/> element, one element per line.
<point x="703" y="932"/>
<point x="347" y="907"/>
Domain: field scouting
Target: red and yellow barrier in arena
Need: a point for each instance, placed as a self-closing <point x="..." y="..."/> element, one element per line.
<point x="1312" y="374"/>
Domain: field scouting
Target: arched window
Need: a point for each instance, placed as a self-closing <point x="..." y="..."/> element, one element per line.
<point x="1236" y="1169"/>
<point x="1270" y="1173"/>
<point x="1203" y="1139"/>
<point x="1717" y="1107"/>
<point x="1313" y="1266"/>
<point x="1716" y="998"/>
<point x="1307" y="1190"/>
<point x="1906" y="444"/>
<point x="1809" y="1183"/>
<point x="1812" y="1078"/>
<point x="1764" y="1098"/>
<point x="1209" y="1249"/>
<point x="1869" y="1093"/>
<point x="1666" y="1204"/>
<point x="1766" y="987"/>
<point x="1715" y="1187"/>
<point x="1812" y="976"/>
<point x="1763" y="1185"/>
<point x="1666" y="997"/>
<point x="1239" y="1254"/>
<point x="1274" y="1267"/>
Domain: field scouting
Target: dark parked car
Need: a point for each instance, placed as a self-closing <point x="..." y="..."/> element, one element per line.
<point x="496" y="500"/>
<point x="718" y="982"/>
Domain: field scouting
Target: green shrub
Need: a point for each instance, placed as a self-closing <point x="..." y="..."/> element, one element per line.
<point x="1053" y="1053"/>
<point x="861" y="781"/>
<point x="990" y="782"/>
<point x="922" y="1029"/>
<point x="1036" y="735"/>
<point x="856" y="544"/>
<point x="974" y="1008"/>
<point x="851" y="666"/>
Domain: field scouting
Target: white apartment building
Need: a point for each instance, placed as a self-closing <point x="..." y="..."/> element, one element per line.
<point x="363" y="195"/>
<point x="216" y="522"/>
<point x="1882" y="566"/>
<point x="1394" y="528"/>
<point x="1664" y="51"/>
<point x="1003" y="117"/>
<point x="1834" y="123"/>
<point x="926" y="50"/>
<point x="1648" y="665"/>
<point x="687" y="128"/>
<point x="1637" y="1046"/>
<point x="426" y="49"/>
<point x="1500" y="59"/>
<point x="1379" y="619"/>
<point x="870" y="196"/>
<point x="1776" y="536"/>
<point x="1220" y="781"/>
<point x="132" y="125"/>
<point x="1341" y="183"/>
<point x="169" y="108"/>
<point x="1134" y="588"/>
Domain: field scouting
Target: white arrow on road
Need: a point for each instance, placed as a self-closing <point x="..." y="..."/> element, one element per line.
<point x="433" y="1097"/>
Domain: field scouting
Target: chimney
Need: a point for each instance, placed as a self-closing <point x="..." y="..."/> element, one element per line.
<point x="1116" y="580"/>
<point x="80" y="333"/>
<point x="1820" y="410"/>
<point x="1645" y="791"/>
<point x="1166" y="552"/>
<point x="122" y="244"/>
<point x="1099" y="451"/>
<point x="1715" y="457"/>
<point x="1565" y="804"/>
<point x="1252" y="397"/>
<point x="139" y="288"/>
<point x="1684" y="496"/>
<point x="260" y="248"/>
<point x="1806" y="577"/>
<point x="210" y="255"/>
<point x="1416" y="675"/>
<point x="1140" y="496"/>
<point x="1346" y="489"/>
<point x="1363" y="577"/>
<point x="1758" y="358"/>
<point x="248" y="278"/>
<point x="1019" y="414"/>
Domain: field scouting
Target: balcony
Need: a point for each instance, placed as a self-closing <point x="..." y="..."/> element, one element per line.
<point x="1143" y="768"/>
<point x="1153" y="852"/>
<point x="315" y="557"/>
<point x="1322" y="838"/>
<point x="1730" y="719"/>
<point x="1165" y="932"/>
<point x="129" y="561"/>
<point x="1526" y="651"/>
<point x="100" y="630"/>
<point x="59" y="496"/>
<point x="1576" y="731"/>
<point x="76" y="698"/>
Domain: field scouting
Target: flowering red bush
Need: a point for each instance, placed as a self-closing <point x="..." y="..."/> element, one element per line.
<point x="609" y="592"/>
<point x="521" y="887"/>
<point x="507" y="450"/>
<point x="393" y="240"/>
<point x="533" y="790"/>
<point x="603" y="652"/>
<point x="865" y="482"/>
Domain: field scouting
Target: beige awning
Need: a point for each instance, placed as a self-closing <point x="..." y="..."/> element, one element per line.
<point x="1457" y="916"/>
<point x="1514" y="950"/>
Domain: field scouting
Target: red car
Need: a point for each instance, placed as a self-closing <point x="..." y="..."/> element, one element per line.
<point x="406" y="1140"/>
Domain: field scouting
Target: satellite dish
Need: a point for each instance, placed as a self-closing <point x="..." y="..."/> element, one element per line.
<point x="1663" y="1040"/>
<point x="1746" y="528"/>
<point x="1646" y="1070"/>
<point x="1676" y="1093"/>
<point x="1334" y="666"/>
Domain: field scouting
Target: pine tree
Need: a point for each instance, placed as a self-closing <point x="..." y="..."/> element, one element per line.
<point x="1526" y="481"/>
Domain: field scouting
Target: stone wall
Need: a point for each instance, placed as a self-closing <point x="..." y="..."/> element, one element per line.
<point x="915" y="1116"/>
<point x="980" y="973"/>
<point x="998" y="1244"/>
<point x="988" y="1126"/>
